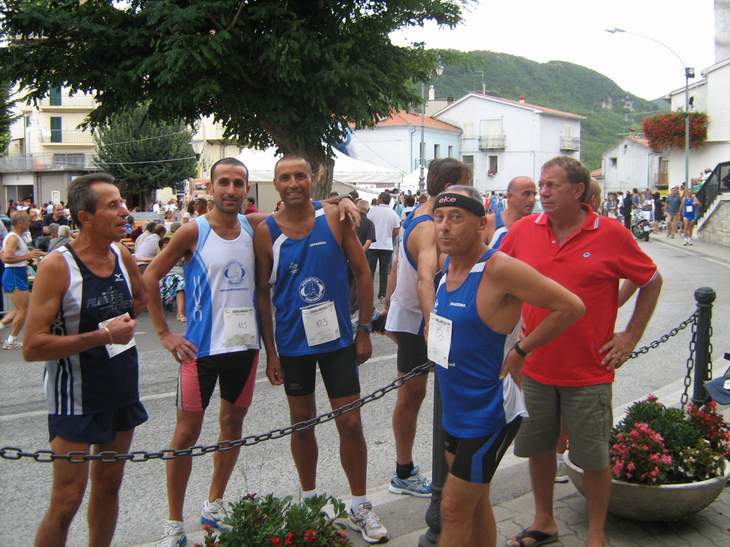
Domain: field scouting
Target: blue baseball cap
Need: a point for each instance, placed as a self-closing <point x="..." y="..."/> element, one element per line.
<point x="719" y="388"/>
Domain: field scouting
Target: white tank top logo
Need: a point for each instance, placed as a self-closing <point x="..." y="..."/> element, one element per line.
<point x="234" y="272"/>
<point x="312" y="290"/>
<point x="197" y="298"/>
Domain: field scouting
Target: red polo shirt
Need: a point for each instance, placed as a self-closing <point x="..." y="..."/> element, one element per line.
<point x="590" y="263"/>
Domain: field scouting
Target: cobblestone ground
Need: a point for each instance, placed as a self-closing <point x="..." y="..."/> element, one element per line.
<point x="709" y="527"/>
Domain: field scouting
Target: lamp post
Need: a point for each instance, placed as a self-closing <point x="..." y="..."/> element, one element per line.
<point x="422" y="148"/>
<point x="688" y="73"/>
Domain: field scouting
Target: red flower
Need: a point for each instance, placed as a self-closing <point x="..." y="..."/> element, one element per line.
<point x="289" y="538"/>
<point x="276" y="540"/>
<point x="310" y="535"/>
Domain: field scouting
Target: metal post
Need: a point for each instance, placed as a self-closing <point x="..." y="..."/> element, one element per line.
<point x="421" y="162"/>
<point x="704" y="296"/>
<point x="438" y="475"/>
<point x="686" y="129"/>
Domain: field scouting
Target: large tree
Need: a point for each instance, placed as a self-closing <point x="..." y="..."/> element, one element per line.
<point x="289" y="73"/>
<point x="6" y="116"/>
<point x="144" y="154"/>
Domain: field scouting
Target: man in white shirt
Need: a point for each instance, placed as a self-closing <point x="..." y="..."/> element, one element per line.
<point x="386" y="223"/>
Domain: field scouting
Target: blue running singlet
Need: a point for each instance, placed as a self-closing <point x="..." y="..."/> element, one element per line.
<point x="500" y="230"/>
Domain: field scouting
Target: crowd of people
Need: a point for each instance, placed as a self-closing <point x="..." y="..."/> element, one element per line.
<point x="516" y="309"/>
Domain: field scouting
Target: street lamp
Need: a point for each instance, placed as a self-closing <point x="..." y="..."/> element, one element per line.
<point x="688" y="73"/>
<point x="422" y="154"/>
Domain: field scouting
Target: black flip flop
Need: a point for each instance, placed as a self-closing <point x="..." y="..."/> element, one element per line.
<point x="539" y="538"/>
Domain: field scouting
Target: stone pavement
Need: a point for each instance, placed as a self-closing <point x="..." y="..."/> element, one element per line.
<point x="699" y="247"/>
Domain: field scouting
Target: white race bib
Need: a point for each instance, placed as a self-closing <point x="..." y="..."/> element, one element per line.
<point x="320" y="323"/>
<point x="239" y="327"/>
<point x="116" y="349"/>
<point x="439" y="340"/>
<point x="688" y="208"/>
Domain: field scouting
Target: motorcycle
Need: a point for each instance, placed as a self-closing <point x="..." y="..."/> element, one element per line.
<point x="641" y="228"/>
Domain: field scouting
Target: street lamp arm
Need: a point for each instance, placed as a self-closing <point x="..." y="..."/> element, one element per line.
<point x="616" y="30"/>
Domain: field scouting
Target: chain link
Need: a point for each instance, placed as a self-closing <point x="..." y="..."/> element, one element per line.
<point x="13" y="453"/>
<point x="690" y="364"/>
<point x="691" y="320"/>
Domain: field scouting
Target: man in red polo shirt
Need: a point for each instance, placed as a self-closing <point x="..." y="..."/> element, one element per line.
<point x="571" y="376"/>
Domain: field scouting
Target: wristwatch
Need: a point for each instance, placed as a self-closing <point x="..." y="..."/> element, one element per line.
<point x="519" y="351"/>
<point x="368" y="327"/>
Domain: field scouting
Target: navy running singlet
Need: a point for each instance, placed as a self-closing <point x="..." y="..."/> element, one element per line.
<point x="500" y="230"/>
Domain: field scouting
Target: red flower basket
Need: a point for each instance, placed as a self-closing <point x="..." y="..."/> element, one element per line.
<point x="667" y="130"/>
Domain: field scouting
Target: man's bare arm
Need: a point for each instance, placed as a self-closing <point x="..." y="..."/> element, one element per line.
<point x="423" y="242"/>
<point x="355" y="254"/>
<point x="139" y="294"/>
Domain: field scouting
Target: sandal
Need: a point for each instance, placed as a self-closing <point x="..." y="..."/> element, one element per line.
<point x="182" y="318"/>
<point x="538" y="538"/>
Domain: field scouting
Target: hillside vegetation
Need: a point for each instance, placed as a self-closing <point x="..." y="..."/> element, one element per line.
<point x="555" y="84"/>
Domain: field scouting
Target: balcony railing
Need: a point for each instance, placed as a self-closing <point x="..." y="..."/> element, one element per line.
<point x="78" y="101"/>
<point x="491" y="142"/>
<point x="68" y="136"/>
<point x="570" y="143"/>
<point x="46" y="162"/>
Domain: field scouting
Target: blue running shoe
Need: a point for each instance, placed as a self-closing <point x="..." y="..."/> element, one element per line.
<point x="415" y="485"/>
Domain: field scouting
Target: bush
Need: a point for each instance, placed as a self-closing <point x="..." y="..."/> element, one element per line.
<point x="270" y="521"/>
<point x="654" y="444"/>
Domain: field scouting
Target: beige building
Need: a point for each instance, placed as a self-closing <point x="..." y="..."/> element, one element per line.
<point x="47" y="148"/>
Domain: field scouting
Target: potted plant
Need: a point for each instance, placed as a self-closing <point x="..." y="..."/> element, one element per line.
<point x="666" y="464"/>
<point x="276" y="522"/>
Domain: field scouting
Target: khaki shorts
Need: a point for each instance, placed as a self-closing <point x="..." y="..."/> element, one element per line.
<point x="586" y="412"/>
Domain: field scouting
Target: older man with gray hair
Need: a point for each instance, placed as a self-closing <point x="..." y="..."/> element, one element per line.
<point x="521" y="192"/>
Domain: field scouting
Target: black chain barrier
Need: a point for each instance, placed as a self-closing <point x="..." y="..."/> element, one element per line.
<point x="47" y="456"/>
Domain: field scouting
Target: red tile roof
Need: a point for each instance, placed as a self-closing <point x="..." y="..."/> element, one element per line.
<point x="639" y="140"/>
<point x="412" y="119"/>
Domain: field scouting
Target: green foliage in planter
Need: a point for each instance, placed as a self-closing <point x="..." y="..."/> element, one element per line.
<point x="265" y="521"/>
<point x="670" y="423"/>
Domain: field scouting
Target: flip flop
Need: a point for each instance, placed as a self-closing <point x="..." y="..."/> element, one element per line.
<point x="538" y="537"/>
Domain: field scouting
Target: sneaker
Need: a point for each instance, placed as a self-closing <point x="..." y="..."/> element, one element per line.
<point x="173" y="535"/>
<point x="12" y="345"/>
<point x="365" y="521"/>
<point x="415" y="485"/>
<point x="560" y="476"/>
<point x="213" y="514"/>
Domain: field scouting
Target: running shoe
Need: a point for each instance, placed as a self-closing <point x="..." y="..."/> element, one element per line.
<point x="415" y="485"/>
<point x="213" y="514"/>
<point x="560" y="476"/>
<point x="12" y="345"/>
<point x="365" y="521"/>
<point x="173" y="535"/>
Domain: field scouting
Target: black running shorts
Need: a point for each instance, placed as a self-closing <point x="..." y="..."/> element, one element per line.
<point x="338" y="368"/>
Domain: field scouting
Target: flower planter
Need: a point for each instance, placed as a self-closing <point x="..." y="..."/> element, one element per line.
<point x="647" y="503"/>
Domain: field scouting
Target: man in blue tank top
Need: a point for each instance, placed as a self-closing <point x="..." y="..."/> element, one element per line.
<point x="521" y="192"/>
<point x="474" y="338"/>
<point x="302" y="253"/>
<point x="409" y="301"/>
<point x="81" y="321"/>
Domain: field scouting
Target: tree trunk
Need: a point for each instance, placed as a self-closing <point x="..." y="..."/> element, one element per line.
<point x="322" y="173"/>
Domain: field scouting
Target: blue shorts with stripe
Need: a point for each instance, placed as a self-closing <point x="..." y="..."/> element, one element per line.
<point x="476" y="460"/>
<point x="15" y="278"/>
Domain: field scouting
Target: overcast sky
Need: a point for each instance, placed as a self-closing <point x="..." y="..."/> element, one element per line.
<point x="573" y="30"/>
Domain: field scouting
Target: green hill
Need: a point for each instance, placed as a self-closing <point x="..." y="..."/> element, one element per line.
<point x="555" y="84"/>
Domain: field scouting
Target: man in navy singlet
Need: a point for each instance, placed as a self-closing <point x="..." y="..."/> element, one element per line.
<point x="521" y="192"/>
<point x="81" y="321"/>
<point x="302" y="253"/>
<point x="474" y="341"/>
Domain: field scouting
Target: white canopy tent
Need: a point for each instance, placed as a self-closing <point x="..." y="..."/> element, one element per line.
<point x="410" y="181"/>
<point x="348" y="170"/>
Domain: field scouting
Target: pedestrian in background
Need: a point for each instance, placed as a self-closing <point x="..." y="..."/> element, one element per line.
<point x="380" y="253"/>
<point x="674" y="201"/>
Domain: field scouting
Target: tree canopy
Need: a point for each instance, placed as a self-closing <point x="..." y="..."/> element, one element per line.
<point x="144" y="154"/>
<point x="273" y="72"/>
<point x="6" y="116"/>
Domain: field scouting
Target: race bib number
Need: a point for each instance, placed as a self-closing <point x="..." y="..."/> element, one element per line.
<point x="239" y="327"/>
<point x="689" y="208"/>
<point x="116" y="349"/>
<point x="320" y="323"/>
<point x="439" y="340"/>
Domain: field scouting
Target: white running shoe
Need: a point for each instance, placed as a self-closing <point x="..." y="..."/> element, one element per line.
<point x="560" y="476"/>
<point x="173" y="534"/>
<point x="213" y="513"/>
<point x="12" y="345"/>
<point x="365" y="521"/>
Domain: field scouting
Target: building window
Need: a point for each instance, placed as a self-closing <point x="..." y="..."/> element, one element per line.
<point x="469" y="160"/>
<point x="493" y="166"/>
<point x="55" y="96"/>
<point x="613" y="161"/>
<point x="56" y="129"/>
<point x="71" y="160"/>
<point x="451" y="151"/>
<point x="436" y="151"/>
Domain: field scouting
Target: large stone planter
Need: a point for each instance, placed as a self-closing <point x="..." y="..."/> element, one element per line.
<point x="662" y="503"/>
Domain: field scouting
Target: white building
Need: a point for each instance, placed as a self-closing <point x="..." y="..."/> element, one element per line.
<point x="632" y="164"/>
<point x="503" y="138"/>
<point x="709" y="95"/>
<point x="395" y="141"/>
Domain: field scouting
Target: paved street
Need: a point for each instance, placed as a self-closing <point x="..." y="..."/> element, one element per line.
<point x="268" y="467"/>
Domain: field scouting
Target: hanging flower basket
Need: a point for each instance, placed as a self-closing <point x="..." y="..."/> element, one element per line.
<point x="667" y="130"/>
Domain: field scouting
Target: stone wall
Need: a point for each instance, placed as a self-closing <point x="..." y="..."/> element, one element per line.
<point x="717" y="228"/>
